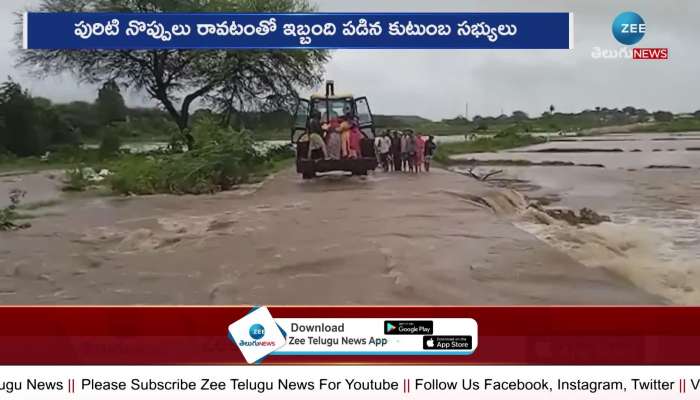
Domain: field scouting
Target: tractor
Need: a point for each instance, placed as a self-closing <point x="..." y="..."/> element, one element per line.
<point x="329" y="106"/>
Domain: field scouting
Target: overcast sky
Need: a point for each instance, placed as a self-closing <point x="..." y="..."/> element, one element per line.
<point x="437" y="83"/>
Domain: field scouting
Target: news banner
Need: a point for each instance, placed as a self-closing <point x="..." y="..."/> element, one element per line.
<point x="375" y="352"/>
<point x="298" y="30"/>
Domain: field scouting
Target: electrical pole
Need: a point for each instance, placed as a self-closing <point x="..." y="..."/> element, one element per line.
<point x="466" y="111"/>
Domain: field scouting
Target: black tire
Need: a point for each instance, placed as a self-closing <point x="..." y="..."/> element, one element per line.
<point x="308" y="175"/>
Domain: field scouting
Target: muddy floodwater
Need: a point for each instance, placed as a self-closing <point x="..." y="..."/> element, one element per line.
<point x="649" y="184"/>
<point x="438" y="238"/>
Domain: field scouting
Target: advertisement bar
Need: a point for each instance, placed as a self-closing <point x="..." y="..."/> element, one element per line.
<point x="551" y="30"/>
<point x="377" y="336"/>
<point x="198" y="335"/>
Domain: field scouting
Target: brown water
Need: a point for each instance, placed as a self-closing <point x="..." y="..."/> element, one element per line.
<point x="437" y="238"/>
<point x="654" y="237"/>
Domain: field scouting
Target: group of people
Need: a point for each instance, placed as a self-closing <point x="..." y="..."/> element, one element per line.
<point x="340" y="138"/>
<point x="404" y="151"/>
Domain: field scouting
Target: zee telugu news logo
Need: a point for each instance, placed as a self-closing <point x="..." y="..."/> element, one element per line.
<point x="256" y="332"/>
<point x="629" y="28"/>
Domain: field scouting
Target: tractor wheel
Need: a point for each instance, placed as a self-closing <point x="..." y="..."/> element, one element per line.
<point x="308" y="175"/>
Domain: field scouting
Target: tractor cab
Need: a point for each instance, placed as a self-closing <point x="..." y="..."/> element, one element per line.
<point x="331" y="106"/>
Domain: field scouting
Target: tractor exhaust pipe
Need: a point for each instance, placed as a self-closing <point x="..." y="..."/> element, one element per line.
<point x="330" y="88"/>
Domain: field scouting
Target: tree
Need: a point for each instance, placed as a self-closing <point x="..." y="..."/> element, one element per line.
<point x="20" y="134"/>
<point x="551" y="109"/>
<point x="81" y="116"/>
<point x="663" y="116"/>
<point x="110" y="104"/>
<point x="228" y="80"/>
<point x="629" y="110"/>
<point x="519" y="116"/>
<point x="57" y="128"/>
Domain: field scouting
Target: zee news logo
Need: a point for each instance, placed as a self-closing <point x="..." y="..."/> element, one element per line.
<point x="629" y="28"/>
<point x="256" y="332"/>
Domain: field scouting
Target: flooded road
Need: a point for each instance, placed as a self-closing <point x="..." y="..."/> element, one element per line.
<point x="649" y="184"/>
<point x="437" y="238"/>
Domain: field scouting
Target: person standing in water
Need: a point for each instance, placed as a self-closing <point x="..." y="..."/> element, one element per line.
<point x="430" y="147"/>
<point x="420" y="152"/>
<point x="411" y="151"/>
<point x="385" y="151"/>
<point x="404" y="152"/>
<point x="396" y="151"/>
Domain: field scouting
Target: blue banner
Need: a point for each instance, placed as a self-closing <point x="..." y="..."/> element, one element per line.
<point x="295" y="31"/>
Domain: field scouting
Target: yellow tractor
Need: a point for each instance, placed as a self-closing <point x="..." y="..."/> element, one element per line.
<point x="330" y="106"/>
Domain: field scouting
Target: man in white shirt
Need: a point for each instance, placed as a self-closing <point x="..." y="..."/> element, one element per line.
<point x="384" y="150"/>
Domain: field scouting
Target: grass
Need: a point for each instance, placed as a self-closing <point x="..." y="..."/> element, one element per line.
<point x="484" y="145"/>
<point x="677" y="125"/>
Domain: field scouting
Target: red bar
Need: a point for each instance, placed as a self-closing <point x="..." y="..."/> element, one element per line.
<point x="197" y="335"/>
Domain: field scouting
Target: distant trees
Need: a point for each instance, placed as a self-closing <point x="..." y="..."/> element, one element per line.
<point x="519" y="116"/>
<point x="110" y="104"/>
<point x="29" y="125"/>
<point x="629" y="110"/>
<point x="663" y="116"/>
<point x="82" y="117"/>
<point x="18" y="114"/>
<point x="20" y="132"/>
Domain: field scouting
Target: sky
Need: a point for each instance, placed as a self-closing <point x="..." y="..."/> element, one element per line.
<point x="440" y="83"/>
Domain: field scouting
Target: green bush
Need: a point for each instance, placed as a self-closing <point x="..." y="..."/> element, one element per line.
<point x="112" y="139"/>
<point x="220" y="159"/>
<point x="139" y="175"/>
<point x="6" y="156"/>
<point x="509" y="132"/>
<point x="76" y="180"/>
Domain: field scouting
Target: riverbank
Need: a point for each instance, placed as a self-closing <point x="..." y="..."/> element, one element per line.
<point x="446" y="151"/>
<point x="389" y="239"/>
